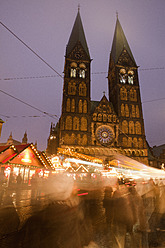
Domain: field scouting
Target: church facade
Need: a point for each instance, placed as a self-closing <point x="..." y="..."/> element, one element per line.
<point x="100" y="128"/>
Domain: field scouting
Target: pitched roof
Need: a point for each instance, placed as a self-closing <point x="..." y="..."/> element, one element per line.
<point x="77" y="35"/>
<point x="18" y="154"/>
<point x="119" y="43"/>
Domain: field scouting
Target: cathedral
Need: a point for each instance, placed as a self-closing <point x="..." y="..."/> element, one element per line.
<point x="111" y="125"/>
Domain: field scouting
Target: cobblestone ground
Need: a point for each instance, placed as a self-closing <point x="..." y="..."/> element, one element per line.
<point x="26" y="207"/>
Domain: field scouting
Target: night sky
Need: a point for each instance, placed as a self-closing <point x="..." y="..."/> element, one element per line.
<point x="45" y="27"/>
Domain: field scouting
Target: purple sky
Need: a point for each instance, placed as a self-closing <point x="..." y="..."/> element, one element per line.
<point x="45" y="26"/>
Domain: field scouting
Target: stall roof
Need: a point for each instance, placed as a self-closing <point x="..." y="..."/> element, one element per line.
<point x="23" y="155"/>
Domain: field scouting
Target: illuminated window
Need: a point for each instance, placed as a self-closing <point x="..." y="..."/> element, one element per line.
<point x="126" y="110"/>
<point x="133" y="111"/>
<point x="73" y="72"/>
<point x="75" y="123"/>
<point x="80" y="106"/>
<point x="129" y="142"/>
<point x="137" y="111"/>
<point x="109" y="118"/>
<point x="68" y="105"/>
<point x="99" y="117"/>
<point x="79" y="139"/>
<point x="125" y="126"/>
<point x="73" y="69"/>
<point x="72" y="138"/>
<point x="82" y="73"/>
<point x="122" y="110"/>
<point x="135" y="143"/>
<point x="85" y="107"/>
<point x="122" y="76"/>
<point x="138" y="127"/>
<point x="125" y="143"/>
<point x="130" y="77"/>
<point x="84" y="139"/>
<point x="131" y="127"/>
<point x="71" y="88"/>
<point x="82" y="89"/>
<point x="68" y="123"/>
<point x="104" y="117"/>
<point x="73" y="106"/>
<point x="133" y="95"/>
<point x="140" y="143"/>
<point x="83" y="124"/>
<point x="123" y="93"/>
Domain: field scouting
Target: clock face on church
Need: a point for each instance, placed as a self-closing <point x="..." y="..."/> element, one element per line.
<point x="104" y="134"/>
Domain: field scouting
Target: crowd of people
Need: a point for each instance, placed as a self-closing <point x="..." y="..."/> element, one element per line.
<point x="122" y="214"/>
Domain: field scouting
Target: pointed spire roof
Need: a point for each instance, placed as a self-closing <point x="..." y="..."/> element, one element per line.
<point x="77" y="35"/>
<point x="119" y="43"/>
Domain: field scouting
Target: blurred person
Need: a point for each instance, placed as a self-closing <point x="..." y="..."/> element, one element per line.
<point x="60" y="223"/>
<point x="107" y="204"/>
<point x="138" y="234"/>
<point x="123" y="216"/>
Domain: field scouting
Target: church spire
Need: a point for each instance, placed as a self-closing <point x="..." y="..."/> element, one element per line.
<point x="77" y="35"/>
<point x="119" y="43"/>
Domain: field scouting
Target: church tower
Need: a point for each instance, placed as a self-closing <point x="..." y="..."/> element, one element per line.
<point x="74" y="126"/>
<point x="124" y="93"/>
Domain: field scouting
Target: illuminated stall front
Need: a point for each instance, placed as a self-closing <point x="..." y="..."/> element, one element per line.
<point x="25" y="160"/>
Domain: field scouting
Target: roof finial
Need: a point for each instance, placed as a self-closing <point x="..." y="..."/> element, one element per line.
<point x="117" y="14"/>
<point x="103" y="93"/>
<point x="78" y="7"/>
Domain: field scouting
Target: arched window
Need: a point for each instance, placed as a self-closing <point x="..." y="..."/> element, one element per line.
<point x="84" y="140"/>
<point x="82" y="70"/>
<point x="125" y="126"/>
<point x="133" y="95"/>
<point x="114" y="118"/>
<point x="125" y="142"/>
<point x="126" y="110"/>
<point x="75" y="123"/>
<point x="68" y="105"/>
<point x="137" y="111"/>
<point x="138" y="127"/>
<point x="135" y="143"/>
<point x="79" y="139"/>
<point x="104" y="117"/>
<point x="122" y="110"/>
<point x="73" y="69"/>
<point x="83" y="124"/>
<point x="122" y="76"/>
<point x="71" y="88"/>
<point x="85" y="107"/>
<point x="66" y="139"/>
<point x="73" y="72"/>
<point x="82" y="73"/>
<point x="72" y="139"/>
<point x="109" y="118"/>
<point x="129" y="142"/>
<point x="133" y="110"/>
<point x="68" y="123"/>
<point x="123" y="93"/>
<point x="99" y="117"/>
<point x="140" y="143"/>
<point x="82" y="89"/>
<point x="73" y="106"/>
<point x="80" y="106"/>
<point x="130" y="77"/>
<point x="131" y="127"/>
